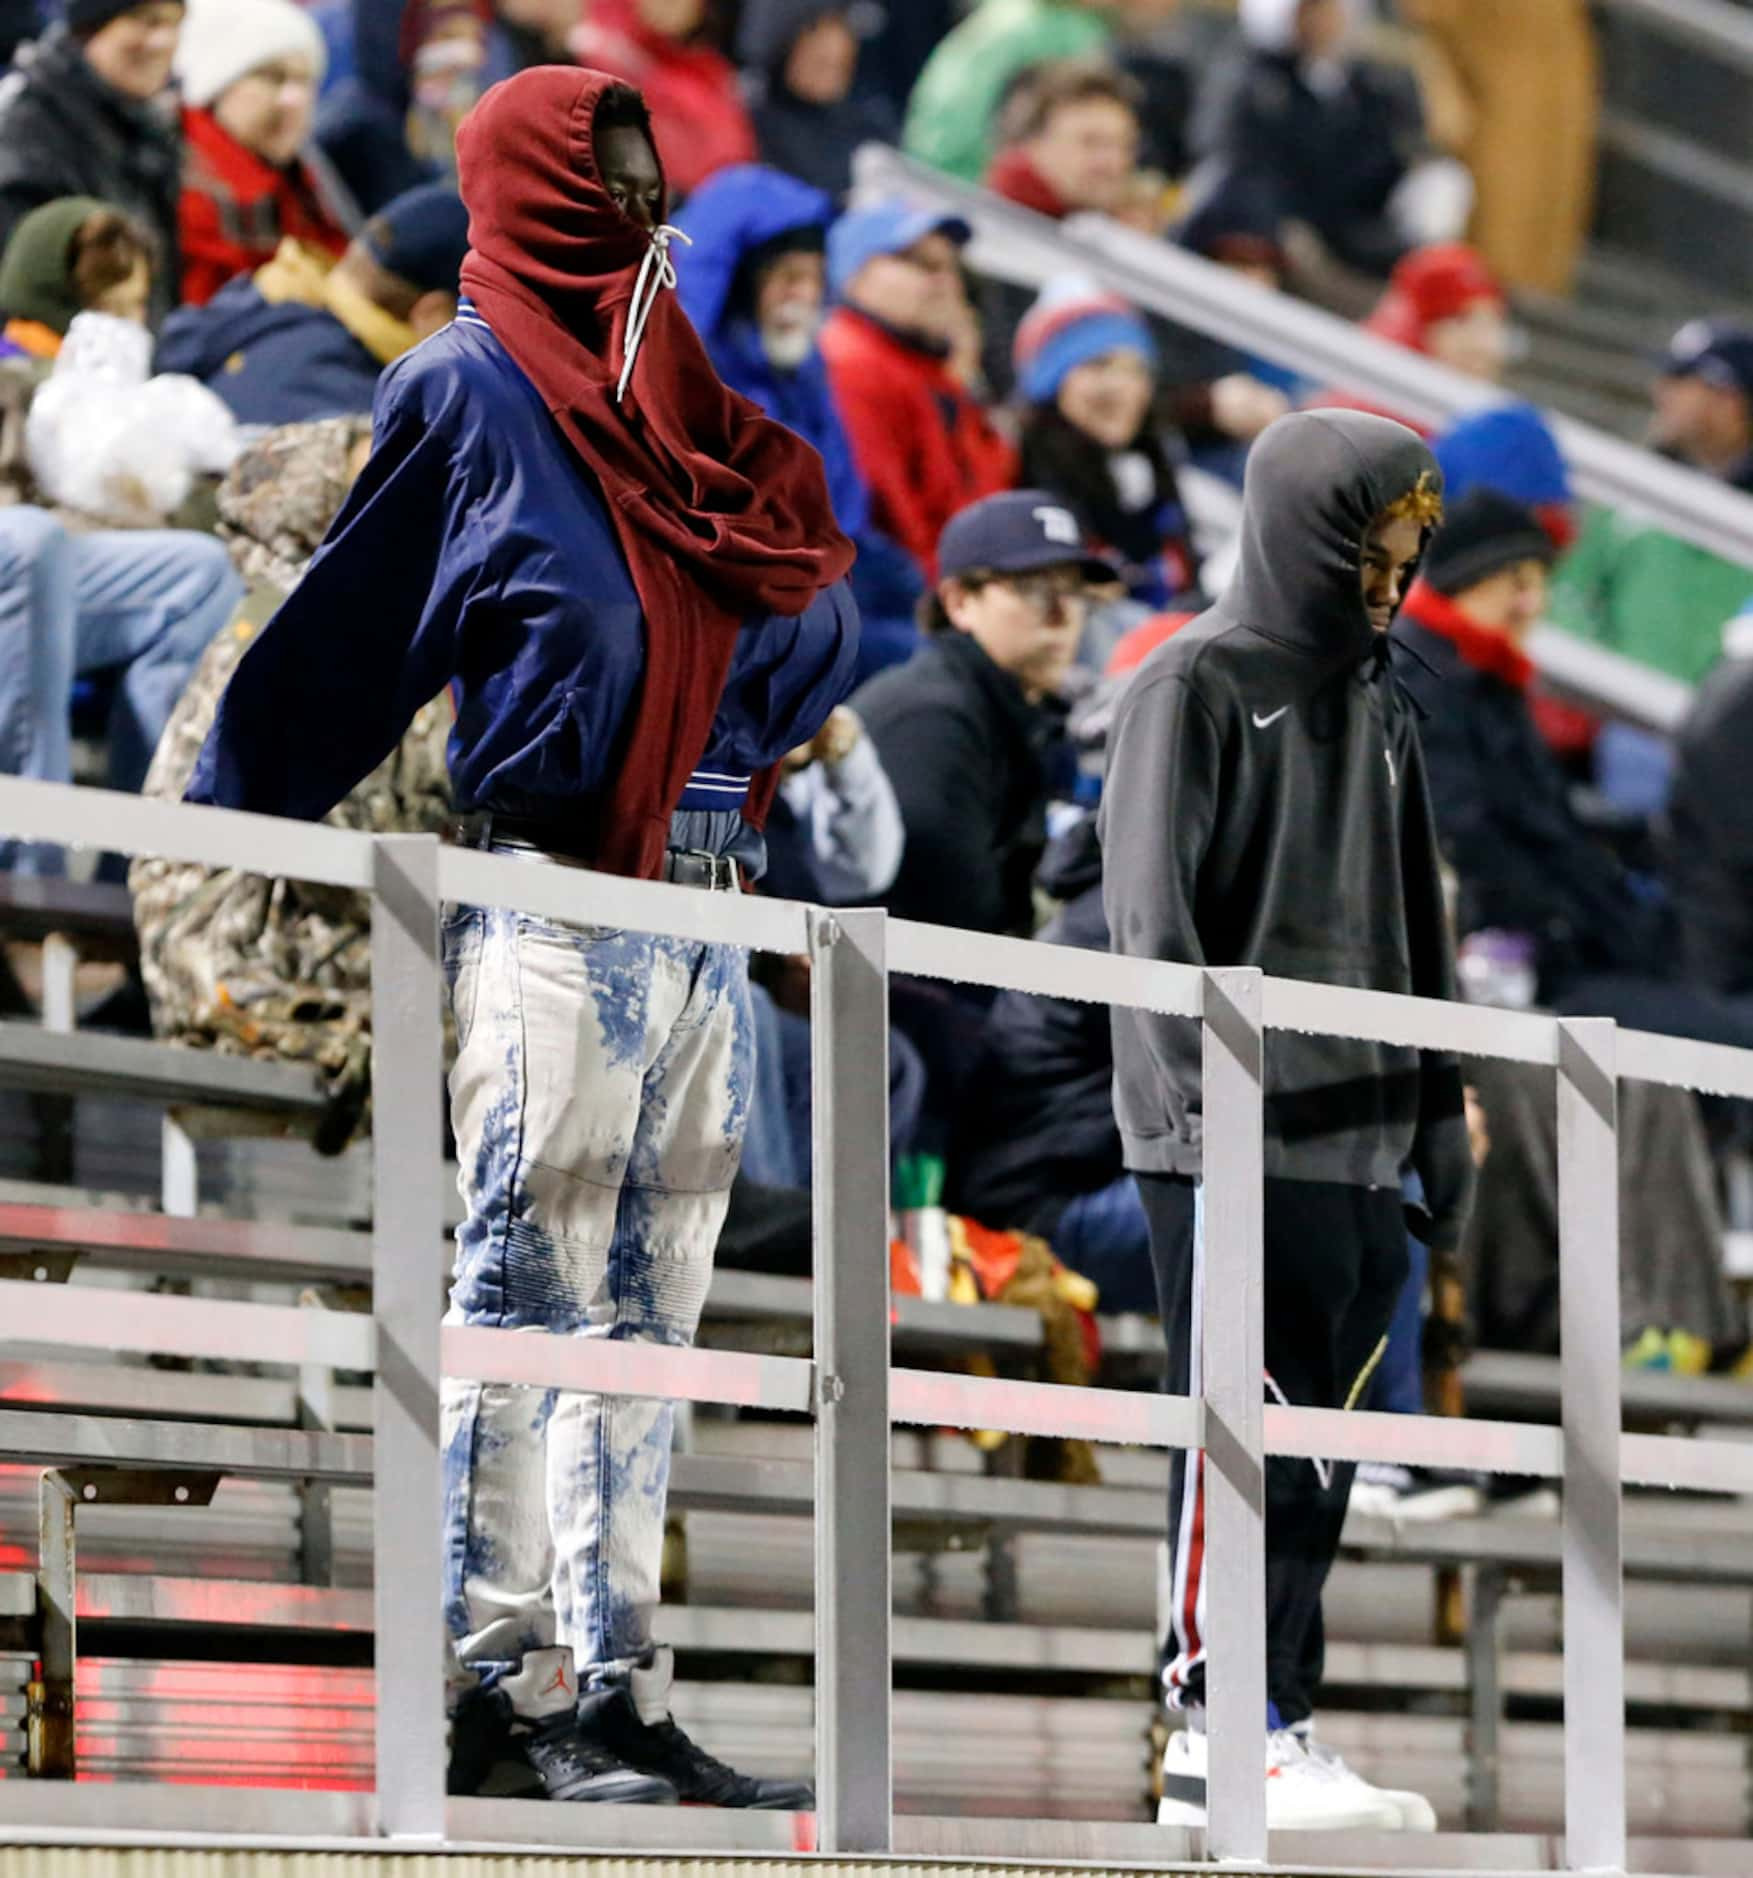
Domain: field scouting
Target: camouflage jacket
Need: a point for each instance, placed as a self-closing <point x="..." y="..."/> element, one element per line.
<point x="246" y="962"/>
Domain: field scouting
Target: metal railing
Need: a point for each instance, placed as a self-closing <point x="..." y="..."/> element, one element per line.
<point x="1018" y="245"/>
<point x="848" y="1385"/>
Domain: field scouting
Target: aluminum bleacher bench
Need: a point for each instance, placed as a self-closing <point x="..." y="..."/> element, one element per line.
<point x="1498" y="1382"/>
<point x="90" y="1063"/>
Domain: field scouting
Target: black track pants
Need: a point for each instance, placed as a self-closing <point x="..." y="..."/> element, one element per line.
<point x="1335" y="1264"/>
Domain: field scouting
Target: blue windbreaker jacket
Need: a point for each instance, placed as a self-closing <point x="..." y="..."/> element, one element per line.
<point x="475" y="552"/>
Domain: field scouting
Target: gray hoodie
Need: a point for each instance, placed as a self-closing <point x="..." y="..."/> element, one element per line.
<point x="1266" y="805"/>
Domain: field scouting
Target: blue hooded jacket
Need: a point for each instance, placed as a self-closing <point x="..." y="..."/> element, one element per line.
<point x="475" y="552"/>
<point x="727" y="219"/>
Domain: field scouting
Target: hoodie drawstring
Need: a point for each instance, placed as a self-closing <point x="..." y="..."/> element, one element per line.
<point x="656" y="272"/>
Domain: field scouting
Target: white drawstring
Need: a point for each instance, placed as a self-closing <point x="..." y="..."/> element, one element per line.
<point x="656" y="272"/>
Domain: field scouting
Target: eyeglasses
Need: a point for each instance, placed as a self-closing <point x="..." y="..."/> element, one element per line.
<point x="1055" y="591"/>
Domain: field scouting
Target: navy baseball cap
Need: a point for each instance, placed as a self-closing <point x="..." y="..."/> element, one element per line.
<point x="1018" y="533"/>
<point x="421" y="237"/>
<point x="1718" y="351"/>
<point x="888" y="227"/>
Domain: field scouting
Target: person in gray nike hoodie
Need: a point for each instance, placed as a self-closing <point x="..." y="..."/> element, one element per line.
<point x="1265" y="804"/>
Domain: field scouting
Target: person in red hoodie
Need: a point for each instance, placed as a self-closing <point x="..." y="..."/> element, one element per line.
<point x="1445" y="302"/>
<point x="698" y="115"/>
<point x="250" y="71"/>
<point x="921" y="440"/>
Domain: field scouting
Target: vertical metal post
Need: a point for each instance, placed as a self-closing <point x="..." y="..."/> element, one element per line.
<point x="316" y="1498"/>
<point x="179" y="1171"/>
<point x="407" y="1276"/>
<point x="1232" y="1330"/>
<point x="849" y="1097"/>
<point x="1589" y="1356"/>
<point x="50" y="1749"/>
<point x="60" y="982"/>
<point x="1484" y="1699"/>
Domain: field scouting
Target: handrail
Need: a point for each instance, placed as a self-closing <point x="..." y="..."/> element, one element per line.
<point x="1714" y="26"/>
<point x="99" y="818"/>
<point x="1019" y="245"/>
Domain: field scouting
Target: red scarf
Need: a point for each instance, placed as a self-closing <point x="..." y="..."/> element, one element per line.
<point x="722" y="514"/>
<point x="1481" y="648"/>
<point x="1014" y="176"/>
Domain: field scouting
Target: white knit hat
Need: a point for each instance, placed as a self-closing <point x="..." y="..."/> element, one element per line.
<point x="225" y="40"/>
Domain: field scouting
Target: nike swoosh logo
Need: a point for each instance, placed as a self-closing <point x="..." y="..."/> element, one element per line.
<point x="1260" y="723"/>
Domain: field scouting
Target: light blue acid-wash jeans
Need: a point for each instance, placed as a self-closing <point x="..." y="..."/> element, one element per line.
<point x="145" y="604"/>
<point x="599" y="1099"/>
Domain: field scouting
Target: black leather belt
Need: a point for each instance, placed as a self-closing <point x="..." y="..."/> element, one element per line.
<point x="686" y="867"/>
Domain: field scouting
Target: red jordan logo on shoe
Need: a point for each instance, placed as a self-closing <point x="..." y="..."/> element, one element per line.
<point x="559" y="1681"/>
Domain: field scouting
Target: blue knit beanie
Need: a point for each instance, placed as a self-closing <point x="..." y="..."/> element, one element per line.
<point x="1509" y="448"/>
<point x="1073" y="322"/>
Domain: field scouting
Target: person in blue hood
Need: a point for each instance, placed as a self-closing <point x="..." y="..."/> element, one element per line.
<point x="752" y="280"/>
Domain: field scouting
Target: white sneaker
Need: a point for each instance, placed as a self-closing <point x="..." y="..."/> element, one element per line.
<point x="1302" y="1793"/>
<point x="1386" y="1490"/>
<point x="1416" y="1812"/>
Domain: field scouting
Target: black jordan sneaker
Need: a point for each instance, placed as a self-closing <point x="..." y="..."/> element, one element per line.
<point x="579" y="1766"/>
<point x="610" y="1720"/>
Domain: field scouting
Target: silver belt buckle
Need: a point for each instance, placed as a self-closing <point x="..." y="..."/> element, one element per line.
<point x="720" y="869"/>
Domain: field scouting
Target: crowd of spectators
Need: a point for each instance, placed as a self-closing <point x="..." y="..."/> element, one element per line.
<point x="220" y="221"/>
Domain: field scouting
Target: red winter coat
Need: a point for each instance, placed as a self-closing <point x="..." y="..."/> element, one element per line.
<point x="235" y="208"/>
<point x="696" y="102"/>
<point x="922" y="443"/>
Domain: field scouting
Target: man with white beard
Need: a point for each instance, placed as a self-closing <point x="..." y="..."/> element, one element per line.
<point x="752" y="279"/>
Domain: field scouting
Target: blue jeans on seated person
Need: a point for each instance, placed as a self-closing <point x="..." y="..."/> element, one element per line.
<point x="776" y="1151"/>
<point x="1105" y="1237"/>
<point x="145" y="604"/>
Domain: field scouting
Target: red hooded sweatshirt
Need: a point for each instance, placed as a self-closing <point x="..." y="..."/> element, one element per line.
<point x="721" y="513"/>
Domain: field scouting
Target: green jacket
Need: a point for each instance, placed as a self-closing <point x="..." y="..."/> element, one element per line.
<point x="949" y="116"/>
<point x="1641" y="592"/>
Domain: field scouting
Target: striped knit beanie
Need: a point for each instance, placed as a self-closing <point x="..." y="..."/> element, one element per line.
<point x="1073" y="322"/>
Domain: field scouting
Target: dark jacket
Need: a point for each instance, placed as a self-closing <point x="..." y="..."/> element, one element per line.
<point x="1266" y="805"/>
<point x="1128" y="502"/>
<point x="1707" y="844"/>
<point x="1502" y="807"/>
<point x="64" y="132"/>
<point x="813" y="142"/>
<point x="1042" y="1129"/>
<point x="973" y="764"/>
<point x="273" y="362"/>
<point x="474" y="552"/>
<point x="1333" y="158"/>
